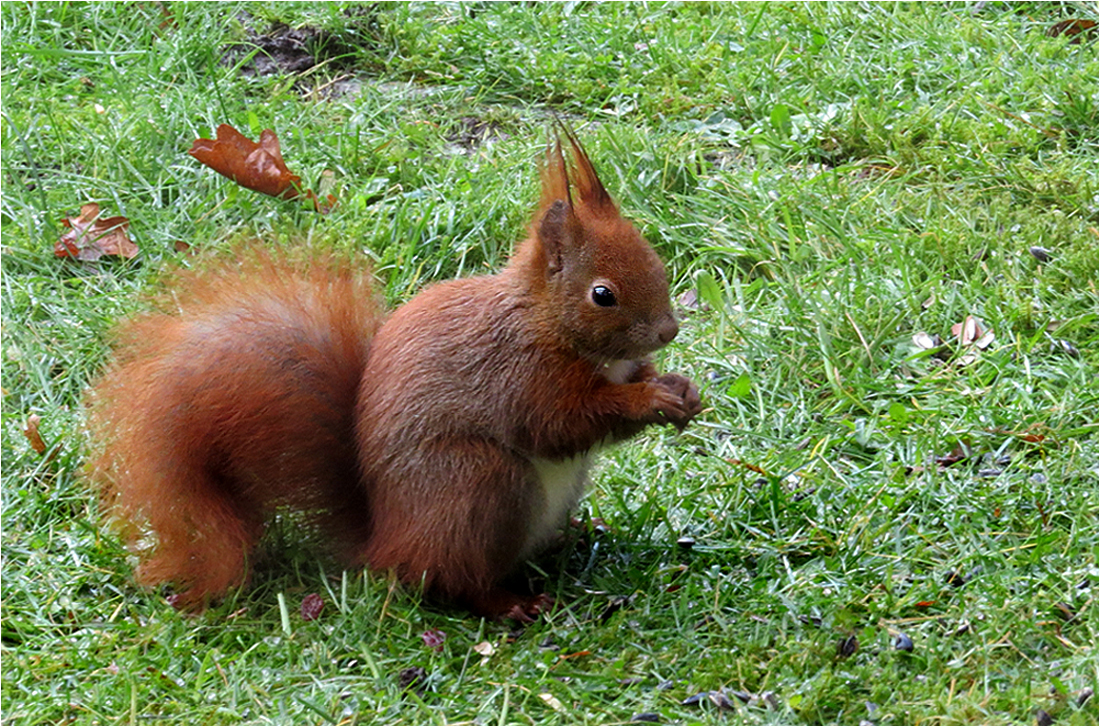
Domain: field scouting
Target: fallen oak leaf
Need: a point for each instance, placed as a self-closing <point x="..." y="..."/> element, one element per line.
<point x="1072" y="28"/>
<point x="168" y="20"/>
<point x="259" y="167"/>
<point x="986" y="340"/>
<point x="32" y="435"/>
<point x="90" y="238"/>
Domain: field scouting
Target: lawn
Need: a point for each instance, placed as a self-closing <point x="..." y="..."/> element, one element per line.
<point x="880" y="225"/>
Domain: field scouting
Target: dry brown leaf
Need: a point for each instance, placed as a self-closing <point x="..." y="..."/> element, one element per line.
<point x="1073" y="28"/>
<point x="259" y="167"/>
<point x="32" y="435"/>
<point x="90" y="238"/>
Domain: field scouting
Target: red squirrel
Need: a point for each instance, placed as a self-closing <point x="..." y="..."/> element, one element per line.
<point x="445" y="442"/>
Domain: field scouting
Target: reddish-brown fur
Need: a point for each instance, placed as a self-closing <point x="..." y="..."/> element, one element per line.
<point x="440" y="445"/>
<point x="232" y="399"/>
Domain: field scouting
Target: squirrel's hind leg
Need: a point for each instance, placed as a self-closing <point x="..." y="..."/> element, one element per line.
<point x="458" y="522"/>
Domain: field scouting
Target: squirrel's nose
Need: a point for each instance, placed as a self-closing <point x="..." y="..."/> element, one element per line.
<point x="667" y="329"/>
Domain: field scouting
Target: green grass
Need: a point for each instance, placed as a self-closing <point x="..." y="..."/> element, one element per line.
<point x="829" y="179"/>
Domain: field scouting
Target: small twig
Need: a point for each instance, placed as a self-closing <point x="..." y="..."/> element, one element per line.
<point x="315" y="93"/>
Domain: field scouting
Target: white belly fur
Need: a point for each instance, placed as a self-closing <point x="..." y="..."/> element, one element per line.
<point x="620" y="372"/>
<point x="562" y="482"/>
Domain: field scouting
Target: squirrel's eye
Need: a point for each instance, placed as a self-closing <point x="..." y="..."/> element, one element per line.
<point x="602" y="296"/>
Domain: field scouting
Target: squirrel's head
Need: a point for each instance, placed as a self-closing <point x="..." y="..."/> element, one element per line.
<point x="605" y="285"/>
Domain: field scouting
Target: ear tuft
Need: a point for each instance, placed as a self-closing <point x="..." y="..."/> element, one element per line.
<point x="586" y="181"/>
<point x="555" y="177"/>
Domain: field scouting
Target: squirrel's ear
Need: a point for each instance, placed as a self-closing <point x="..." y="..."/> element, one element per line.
<point x="556" y="235"/>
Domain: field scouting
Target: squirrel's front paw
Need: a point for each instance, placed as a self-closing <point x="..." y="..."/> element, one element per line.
<point x="499" y="604"/>
<point x="679" y="399"/>
<point x="526" y="610"/>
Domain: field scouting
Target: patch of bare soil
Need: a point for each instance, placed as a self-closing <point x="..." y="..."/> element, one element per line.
<point x="283" y="49"/>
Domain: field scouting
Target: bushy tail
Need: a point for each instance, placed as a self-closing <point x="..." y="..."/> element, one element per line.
<point x="233" y="398"/>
